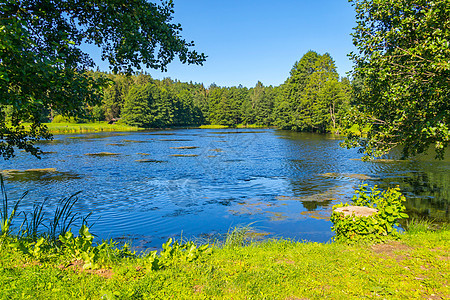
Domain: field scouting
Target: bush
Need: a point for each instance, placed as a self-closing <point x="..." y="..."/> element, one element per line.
<point x="62" y="119"/>
<point x="375" y="228"/>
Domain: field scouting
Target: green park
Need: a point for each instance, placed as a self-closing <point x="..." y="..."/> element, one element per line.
<point x="117" y="183"/>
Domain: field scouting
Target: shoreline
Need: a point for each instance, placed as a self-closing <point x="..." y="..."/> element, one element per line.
<point x="414" y="267"/>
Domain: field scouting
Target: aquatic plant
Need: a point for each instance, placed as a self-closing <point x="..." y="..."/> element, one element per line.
<point x="63" y="217"/>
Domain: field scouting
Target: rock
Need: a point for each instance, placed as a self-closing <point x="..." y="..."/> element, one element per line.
<point x="359" y="211"/>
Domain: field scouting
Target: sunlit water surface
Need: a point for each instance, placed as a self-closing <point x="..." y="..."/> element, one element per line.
<point x="200" y="183"/>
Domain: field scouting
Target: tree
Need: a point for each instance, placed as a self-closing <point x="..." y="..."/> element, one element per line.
<point x="403" y="65"/>
<point x="42" y="65"/>
<point x="309" y="98"/>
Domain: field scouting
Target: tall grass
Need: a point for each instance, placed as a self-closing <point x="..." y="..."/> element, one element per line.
<point x="6" y="216"/>
<point x="36" y="219"/>
<point x="238" y="236"/>
<point x="65" y="217"/>
<point x="61" y="221"/>
<point x="415" y="225"/>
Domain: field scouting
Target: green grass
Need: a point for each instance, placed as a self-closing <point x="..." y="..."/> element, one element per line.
<point x="416" y="267"/>
<point x="213" y="126"/>
<point x="87" y="127"/>
<point x="252" y="126"/>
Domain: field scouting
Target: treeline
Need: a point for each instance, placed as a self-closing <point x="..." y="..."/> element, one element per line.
<point x="313" y="98"/>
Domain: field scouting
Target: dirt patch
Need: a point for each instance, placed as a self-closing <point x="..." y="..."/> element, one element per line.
<point x="396" y="250"/>
<point x="77" y="266"/>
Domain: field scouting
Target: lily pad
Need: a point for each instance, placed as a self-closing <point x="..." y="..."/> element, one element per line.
<point x="184" y="155"/>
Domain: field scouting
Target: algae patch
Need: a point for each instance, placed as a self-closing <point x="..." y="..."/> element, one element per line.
<point x="100" y="154"/>
<point x="347" y="175"/>
<point x="133" y="141"/>
<point x="46" y="174"/>
<point x="317" y="214"/>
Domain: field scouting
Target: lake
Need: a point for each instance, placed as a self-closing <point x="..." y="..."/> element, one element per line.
<point x="199" y="183"/>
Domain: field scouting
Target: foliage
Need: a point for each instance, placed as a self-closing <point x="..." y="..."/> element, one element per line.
<point x="403" y="65"/>
<point x="274" y="269"/>
<point x="42" y="66"/>
<point x="312" y="98"/>
<point x="176" y="253"/>
<point x="375" y="228"/>
<point x="81" y="248"/>
<point x="62" y="119"/>
<point x="146" y="102"/>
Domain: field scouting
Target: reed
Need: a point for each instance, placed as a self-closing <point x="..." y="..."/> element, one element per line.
<point x="6" y="216"/>
<point x="60" y="223"/>
<point x="238" y="236"/>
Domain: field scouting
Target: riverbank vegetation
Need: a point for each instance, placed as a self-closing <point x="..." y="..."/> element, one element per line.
<point x="40" y="260"/>
<point x="66" y="127"/>
<point x="414" y="267"/>
<point x="313" y="99"/>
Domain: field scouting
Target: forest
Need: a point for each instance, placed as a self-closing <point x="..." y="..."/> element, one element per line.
<point x="313" y="98"/>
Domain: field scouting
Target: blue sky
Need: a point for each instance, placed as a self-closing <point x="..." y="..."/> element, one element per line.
<point x="251" y="40"/>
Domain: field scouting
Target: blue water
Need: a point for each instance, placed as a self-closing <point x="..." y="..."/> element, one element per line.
<point x="282" y="183"/>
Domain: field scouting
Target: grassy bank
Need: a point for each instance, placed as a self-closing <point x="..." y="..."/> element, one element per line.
<point x="415" y="267"/>
<point x="56" y="128"/>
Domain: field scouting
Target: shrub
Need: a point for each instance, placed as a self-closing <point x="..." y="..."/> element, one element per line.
<point x="62" y="119"/>
<point x="375" y="228"/>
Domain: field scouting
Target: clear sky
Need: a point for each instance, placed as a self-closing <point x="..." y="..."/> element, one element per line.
<point x="251" y="40"/>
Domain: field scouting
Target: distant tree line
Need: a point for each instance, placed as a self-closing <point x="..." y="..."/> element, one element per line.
<point x="313" y="99"/>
